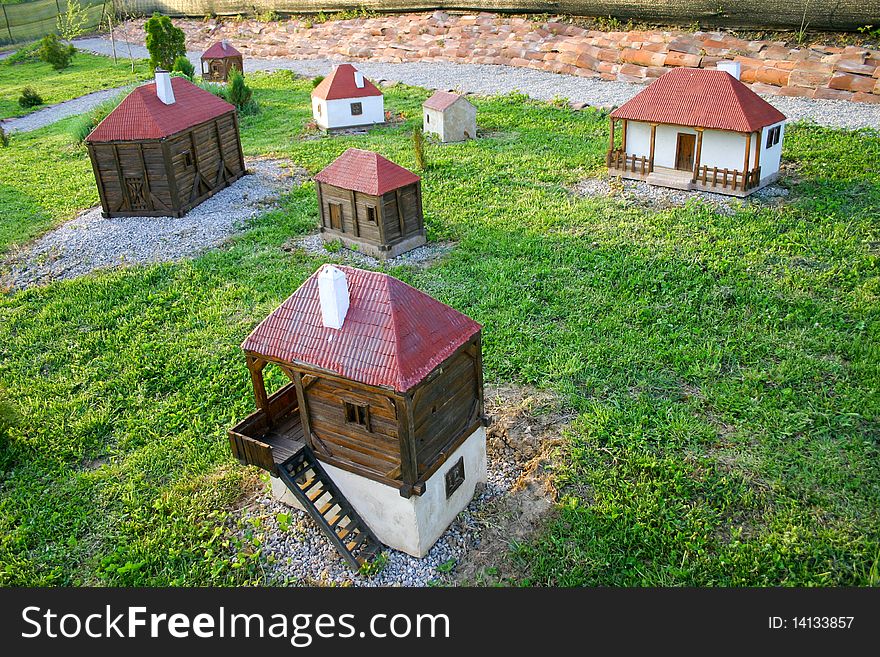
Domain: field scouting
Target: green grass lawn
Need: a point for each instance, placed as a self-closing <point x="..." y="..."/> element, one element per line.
<point x="87" y="73"/>
<point x="723" y="368"/>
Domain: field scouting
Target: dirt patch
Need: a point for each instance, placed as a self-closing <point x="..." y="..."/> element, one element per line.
<point x="527" y="426"/>
<point x="513" y="504"/>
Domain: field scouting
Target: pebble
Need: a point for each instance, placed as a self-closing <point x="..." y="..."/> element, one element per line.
<point x="303" y="555"/>
<point x="421" y="256"/>
<point x="91" y="242"/>
<point x="641" y="193"/>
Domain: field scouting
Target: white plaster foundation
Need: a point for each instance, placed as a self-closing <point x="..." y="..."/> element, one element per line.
<point x="410" y="525"/>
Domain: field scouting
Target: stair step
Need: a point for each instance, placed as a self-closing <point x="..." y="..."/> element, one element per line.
<point x="311" y="485"/>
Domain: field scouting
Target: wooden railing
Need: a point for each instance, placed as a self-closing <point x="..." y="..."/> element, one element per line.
<point x="617" y="159"/>
<point x="710" y="177"/>
<point x="244" y="437"/>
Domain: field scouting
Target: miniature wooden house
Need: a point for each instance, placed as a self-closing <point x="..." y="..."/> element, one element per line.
<point x="385" y="403"/>
<point x="449" y="116"/>
<point x="167" y="147"/>
<point x="370" y="204"/>
<point x="220" y="60"/>
<point x="698" y="129"/>
<point x="346" y="99"/>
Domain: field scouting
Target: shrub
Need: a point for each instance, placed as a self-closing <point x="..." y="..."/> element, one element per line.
<point x="56" y="53"/>
<point x="213" y="87"/>
<point x="4" y="138"/>
<point x="85" y="123"/>
<point x="240" y="95"/>
<point x="318" y="80"/>
<point x="29" y="52"/>
<point x="29" y="98"/>
<point x="72" y="23"/>
<point x="164" y="42"/>
<point x="183" y="66"/>
<point x="418" y="140"/>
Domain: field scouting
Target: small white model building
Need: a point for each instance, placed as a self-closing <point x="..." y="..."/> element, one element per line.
<point x="346" y="99"/>
<point x="450" y="116"/>
<point x="698" y="129"/>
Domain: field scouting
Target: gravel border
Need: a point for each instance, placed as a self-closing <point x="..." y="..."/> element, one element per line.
<point x="52" y="113"/>
<point x="639" y="192"/>
<point x="91" y="242"/>
<point x="541" y="85"/>
<point x="422" y="256"/>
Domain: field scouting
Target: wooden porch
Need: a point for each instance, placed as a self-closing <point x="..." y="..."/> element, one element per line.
<point x="257" y="441"/>
<point x="704" y="178"/>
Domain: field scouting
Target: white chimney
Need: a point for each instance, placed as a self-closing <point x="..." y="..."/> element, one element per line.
<point x="359" y="79"/>
<point x="733" y="68"/>
<point x="333" y="293"/>
<point x="224" y="44"/>
<point x="163" y="87"/>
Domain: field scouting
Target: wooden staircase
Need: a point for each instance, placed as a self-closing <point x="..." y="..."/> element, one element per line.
<point x="320" y="497"/>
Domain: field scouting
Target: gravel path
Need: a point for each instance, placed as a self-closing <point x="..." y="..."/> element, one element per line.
<point x="53" y="113"/>
<point x="92" y="242"/>
<point x="541" y="85"/>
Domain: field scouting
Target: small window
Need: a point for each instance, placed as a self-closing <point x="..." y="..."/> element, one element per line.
<point x="319" y="109"/>
<point x="187" y="159"/>
<point x="371" y="215"/>
<point x="773" y="136"/>
<point x="358" y="414"/>
<point x="427" y="118"/>
<point x="357" y="109"/>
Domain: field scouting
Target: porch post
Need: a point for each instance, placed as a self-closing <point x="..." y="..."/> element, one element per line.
<point x="746" y="161"/>
<point x="699" y="154"/>
<point x="653" y="140"/>
<point x="610" y="143"/>
<point x="256" y="366"/>
<point x="623" y="136"/>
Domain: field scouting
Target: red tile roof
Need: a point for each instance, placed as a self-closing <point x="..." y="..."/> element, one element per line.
<point x="340" y="84"/>
<point x="141" y="115"/>
<point x="441" y="100"/>
<point x="393" y="334"/>
<point x="366" y="172"/>
<point x="218" y="51"/>
<point x="703" y="99"/>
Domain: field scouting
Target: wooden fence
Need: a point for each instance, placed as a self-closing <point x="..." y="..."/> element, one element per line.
<point x="792" y="14"/>
<point x="28" y="21"/>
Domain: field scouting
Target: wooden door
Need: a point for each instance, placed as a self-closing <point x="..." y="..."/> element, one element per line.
<point x="684" y="152"/>
<point x="336" y="216"/>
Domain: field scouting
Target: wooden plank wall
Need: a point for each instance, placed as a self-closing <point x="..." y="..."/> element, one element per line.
<point x="446" y="405"/>
<point x="348" y="445"/>
<point x="409" y="208"/>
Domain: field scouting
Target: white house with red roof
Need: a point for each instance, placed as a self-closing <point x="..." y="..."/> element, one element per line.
<point x="346" y="99"/>
<point x="698" y="129"/>
<point x="450" y="116"/>
<point x="380" y="434"/>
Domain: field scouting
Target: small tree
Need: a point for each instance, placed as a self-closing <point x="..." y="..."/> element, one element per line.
<point x="239" y="94"/>
<point x="29" y="98"/>
<point x="72" y="23"/>
<point x="56" y="53"/>
<point x="165" y="43"/>
<point x="183" y="66"/>
<point x="418" y="140"/>
<point x="4" y="138"/>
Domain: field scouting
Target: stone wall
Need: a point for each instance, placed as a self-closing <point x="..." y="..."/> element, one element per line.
<point x="769" y="67"/>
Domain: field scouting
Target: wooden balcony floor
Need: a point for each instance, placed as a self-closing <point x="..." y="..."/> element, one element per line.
<point x="286" y="437"/>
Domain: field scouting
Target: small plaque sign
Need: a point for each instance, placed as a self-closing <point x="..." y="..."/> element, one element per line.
<point x="454" y="477"/>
